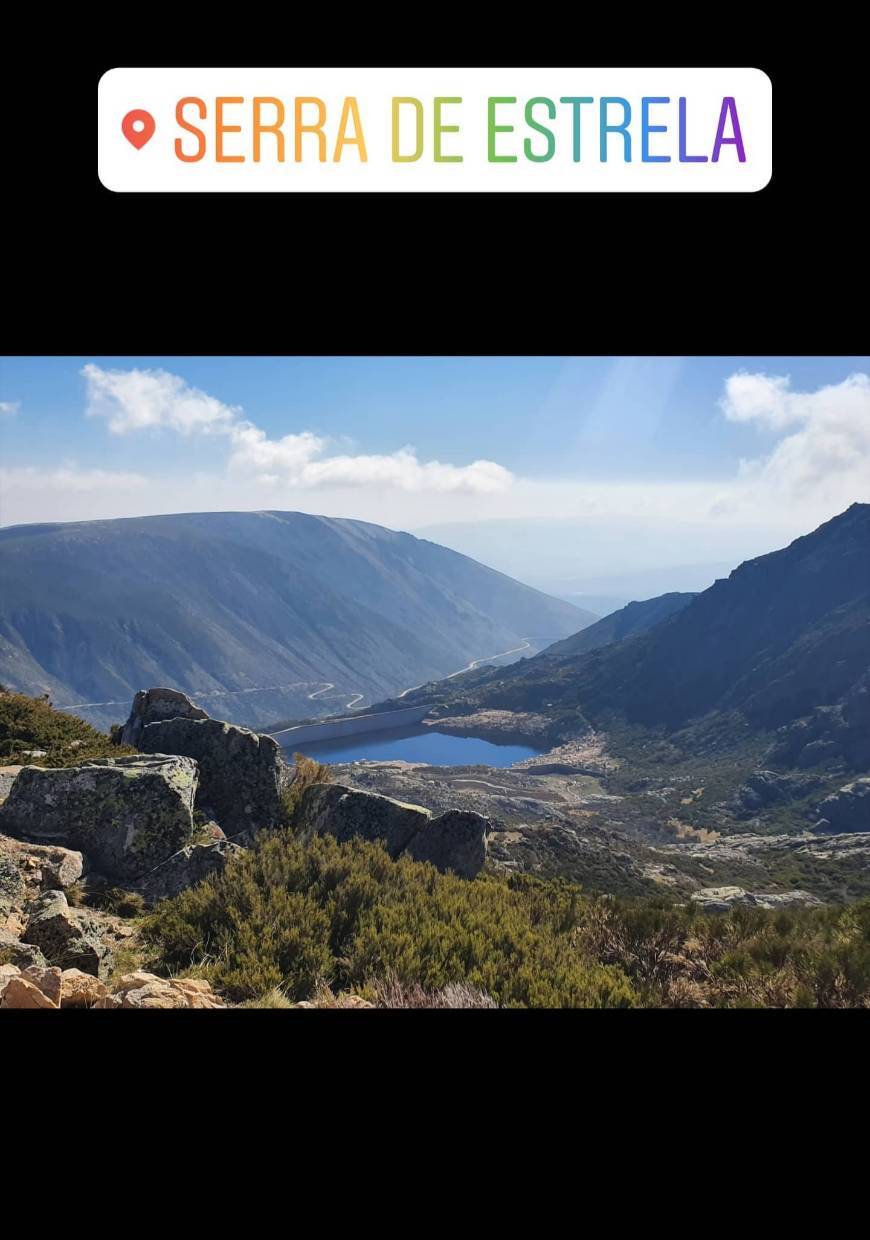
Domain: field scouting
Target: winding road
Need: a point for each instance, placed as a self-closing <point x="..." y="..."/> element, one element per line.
<point x="527" y="645"/>
<point x="323" y="691"/>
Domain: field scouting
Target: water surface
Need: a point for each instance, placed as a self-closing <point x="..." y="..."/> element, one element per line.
<point x="417" y="745"/>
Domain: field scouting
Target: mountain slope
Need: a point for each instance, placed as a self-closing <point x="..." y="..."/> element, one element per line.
<point x="628" y="620"/>
<point x="222" y="605"/>
<point x="784" y="634"/>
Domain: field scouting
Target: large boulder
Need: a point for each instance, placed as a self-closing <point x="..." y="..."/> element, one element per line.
<point x="13" y="951"/>
<point x="125" y="814"/>
<point x="153" y="705"/>
<point x="848" y="809"/>
<point x="80" y="990"/>
<point x="19" y="992"/>
<point x="349" y="813"/>
<point x="186" y="868"/>
<point x="454" y="841"/>
<point x="145" y="990"/>
<point x="67" y="939"/>
<point x="242" y="773"/>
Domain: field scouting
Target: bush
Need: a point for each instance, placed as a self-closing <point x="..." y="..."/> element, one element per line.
<point x="32" y="723"/>
<point x="295" y="916"/>
<point x="301" y="918"/>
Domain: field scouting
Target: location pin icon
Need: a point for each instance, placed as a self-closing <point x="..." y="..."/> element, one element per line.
<point x="138" y="127"/>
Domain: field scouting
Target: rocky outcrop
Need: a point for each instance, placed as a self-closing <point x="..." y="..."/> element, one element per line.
<point x="154" y="705"/>
<point x="848" y="809"/>
<point x="66" y="938"/>
<point x="13" y="951"/>
<point x="765" y="788"/>
<point x="125" y="814"/>
<point x="186" y="868"/>
<point x="348" y="813"/>
<point x="721" y="899"/>
<point x="242" y="774"/>
<point x="454" y="841"/>
<point x="831" y="734"/>
<point x="145" y="990"/>
<point x="70" y="988"/>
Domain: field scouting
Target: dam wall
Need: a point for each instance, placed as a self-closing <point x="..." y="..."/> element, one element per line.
<point x="329" y="729"/>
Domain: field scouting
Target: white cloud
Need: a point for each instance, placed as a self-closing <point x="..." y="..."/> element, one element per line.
<point x="825" y="460"/>
<point x="10" y="407"/>
<point x="134" y="400"/>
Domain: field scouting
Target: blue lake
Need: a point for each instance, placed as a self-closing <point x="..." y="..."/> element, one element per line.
<point x="417" y="745"/>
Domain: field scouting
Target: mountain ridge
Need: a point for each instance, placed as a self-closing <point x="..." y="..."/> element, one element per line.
<point x="220" y="603"/>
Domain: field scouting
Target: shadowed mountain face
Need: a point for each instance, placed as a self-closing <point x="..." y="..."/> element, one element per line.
<point x="782" y="635"/>
<point x="628" y="620"/>
<point x="250" y="612"/>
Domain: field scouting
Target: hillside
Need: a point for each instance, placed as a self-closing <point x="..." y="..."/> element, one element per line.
<point x="626" y="622"/>
<point x="251" y="613"/>
<point x="783" y="635"/>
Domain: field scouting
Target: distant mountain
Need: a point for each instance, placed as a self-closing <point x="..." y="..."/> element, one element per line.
<point x="784" y="634"/>
<point x="628" y="620"/>
<point x="250" y="613"/>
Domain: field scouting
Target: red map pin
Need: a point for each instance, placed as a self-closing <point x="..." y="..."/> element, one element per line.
<point x="138" y="127"/>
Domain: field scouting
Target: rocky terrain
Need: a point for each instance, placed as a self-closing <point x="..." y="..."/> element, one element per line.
<point x="123" y="833"/>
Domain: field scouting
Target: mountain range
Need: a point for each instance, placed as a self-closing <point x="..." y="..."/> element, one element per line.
<point x="257" y="615"/>
<point x="784" y="635"/>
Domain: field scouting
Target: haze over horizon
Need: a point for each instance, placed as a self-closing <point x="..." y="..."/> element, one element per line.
<point x="608" y="476"/>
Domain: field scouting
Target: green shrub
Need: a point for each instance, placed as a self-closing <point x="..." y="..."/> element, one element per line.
<point x="345" y="915"/>
<point x="303" y="917"/>
<point x="28" y="723"/>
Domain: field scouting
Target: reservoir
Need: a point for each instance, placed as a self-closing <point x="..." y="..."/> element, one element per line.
<point x="416" y="745"/>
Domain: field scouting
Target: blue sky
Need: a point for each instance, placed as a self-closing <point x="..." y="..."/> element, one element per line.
<point x="642" y="446"/>
<point x="641" y="417"/>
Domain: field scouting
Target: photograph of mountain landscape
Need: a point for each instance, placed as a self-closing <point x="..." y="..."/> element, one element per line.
<point x="434" y="682"/>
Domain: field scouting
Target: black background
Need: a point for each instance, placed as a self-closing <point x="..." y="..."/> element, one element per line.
<point x="773" y="272"/>
<point x="782" y="271"/>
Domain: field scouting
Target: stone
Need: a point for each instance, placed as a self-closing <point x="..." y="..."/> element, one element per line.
<point x="849" y="808"/>
<point x="154" y="705"/>
<point x="242" y="774"/>
<point x="349" y="813"/>
<point x="21" y="954"/>
<point x="61" y="868"/>
<point x="80" y="990"/>
<point x="67" y="940"/>
<point x="47" y="979"/>
<point x="186" y="868"/>
<point x="108" y="1001"/>
<point x="11" y="882"/>
<point x="125" y="814"/>
<point x="455" y="841"/>
<point x="7" y="778"/>
<point x="721" y="899"/>
<point x="145" y="990"/>
<point x="19" y="992"/>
